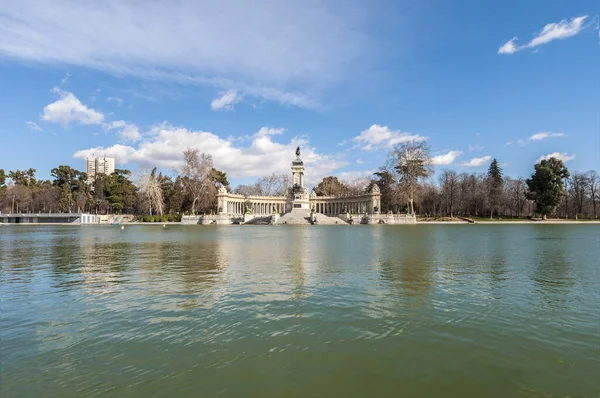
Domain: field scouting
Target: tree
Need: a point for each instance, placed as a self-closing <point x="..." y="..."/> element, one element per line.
<point x="450" y="188"/>
<point x="114" y="192"/>
<point x="387" y="187"/>
<point x="579" y="188"/>
<point x="411" y="162"/>
<point x="330" y="186"/>
<point x="70" y="183"/>
<point x="45" y="197"/>
<point x="23" y="177"/>
<point x="516" y="195"/>
<point x="247" y="190"/>
<point x="2" y="185"/>
<point x="173" y="194"/>
<point x="593" y="180"/>
<point x="219" y="177"/>
<point x="546" y="185"/>
<point x="196" y="175"/>
<point x="150" y="186"/>
<point x="495" y="183"/>
<point x="357" y="186"/>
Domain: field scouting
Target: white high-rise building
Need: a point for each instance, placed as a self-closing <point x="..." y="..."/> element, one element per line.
<point x="100" y="165"/>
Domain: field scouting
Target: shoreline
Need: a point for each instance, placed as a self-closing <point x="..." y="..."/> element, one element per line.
<point x="511" y="222"/>
<point x="457" y="222"/>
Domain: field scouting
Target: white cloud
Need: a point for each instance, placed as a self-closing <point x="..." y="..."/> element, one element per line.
<point x="117" y="100"/>
<point x="475" y="148"/>
<point x="544" y="135"/>
<point x="226" y="101"/>
<point x="508" y="143"/>
<point x="476" y="162"/>
<point x="286" y="51"/>
<point x="360" y="161"/>
<point x="34" y="126"/>
<point x="381" y="137"/>
<point x="446" y="159"/>
<point x="69" y="109"/>
<point x="164" y="148"/>
<point x="508" y="47"/>
<point x="126" y="131"/>
<point x="550" y="32"/>
<point x="266" y="131"/>
<point x="130" y="133"/>
<point x="565" y="157"/>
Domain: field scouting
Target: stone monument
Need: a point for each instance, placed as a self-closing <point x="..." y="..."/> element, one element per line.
<point x="298" y="198"/>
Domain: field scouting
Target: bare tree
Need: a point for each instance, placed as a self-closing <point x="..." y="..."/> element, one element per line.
<point x="516" y="198"/>
<point x="356" y="186"/>
<point x="196" y="175"/>
<point x="274" y="185"/>
<point x="579" y="187"/>
<point x="594" y="181"/>
<point x="411" y="163"/>
<point x="150" y="187"/>
<point x="450" y="189"/>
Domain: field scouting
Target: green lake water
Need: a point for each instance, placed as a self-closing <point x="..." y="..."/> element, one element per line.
<point x="241" y="311"/>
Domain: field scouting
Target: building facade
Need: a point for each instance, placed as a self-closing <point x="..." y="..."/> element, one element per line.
<point x="298" y="200"/>
<point x="98" y="165"/>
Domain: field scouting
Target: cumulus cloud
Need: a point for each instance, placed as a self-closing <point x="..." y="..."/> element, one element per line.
<point x="226" y="101"/>
<point x="68" y="109"/>
<point x="164" y="148"/>
<point x="446" y="158"/>
<point x="382" y="137"/>
<point x="266" y="131"/>
<point x="544" y="135"/>
<point x="34" y="126"/>
<point x="476" y="162"/>
<point x="565" y="157"/>
<point x="126" y="131"/>
<point x="550" y="32"/>
<point x="285" y="51"/>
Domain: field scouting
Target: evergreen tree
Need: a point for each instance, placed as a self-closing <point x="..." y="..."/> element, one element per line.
<point x="219" y="177"/>
<point x="546" y="185"/>
<point x="23" y="177"/>
<point x="495" y="182"/>
<point x="64" y="198"/>
<point x="330" y="186"/>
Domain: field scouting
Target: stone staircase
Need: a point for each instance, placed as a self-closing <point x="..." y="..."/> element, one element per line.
<point x="302" y="217"/>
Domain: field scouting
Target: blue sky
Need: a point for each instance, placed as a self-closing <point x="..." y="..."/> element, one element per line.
<point x="345" y="80"/>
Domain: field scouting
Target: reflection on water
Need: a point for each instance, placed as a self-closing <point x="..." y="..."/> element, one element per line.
<point x="493" y="311"/>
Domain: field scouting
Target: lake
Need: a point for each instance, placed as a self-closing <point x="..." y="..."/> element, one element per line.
<point x="342" y="311"/>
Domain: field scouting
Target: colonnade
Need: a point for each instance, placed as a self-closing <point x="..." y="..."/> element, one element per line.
<point x="340" y="207"/>
<point x="264" y="208"/>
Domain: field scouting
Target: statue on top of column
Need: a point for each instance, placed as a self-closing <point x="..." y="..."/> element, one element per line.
<point x="298" y="151"/>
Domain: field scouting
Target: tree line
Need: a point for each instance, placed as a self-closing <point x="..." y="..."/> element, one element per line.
<point x="406" y="181"/>
<point x="193" y="189"/>
<point x="408" y="184"/>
